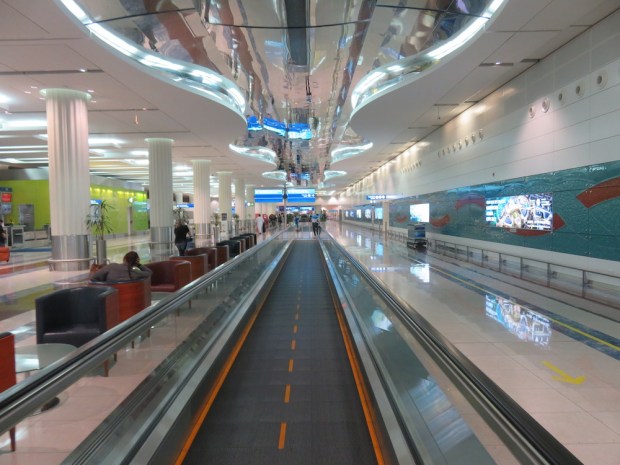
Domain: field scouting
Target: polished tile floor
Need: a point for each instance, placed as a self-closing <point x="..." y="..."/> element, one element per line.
<point x="549" y="351"/>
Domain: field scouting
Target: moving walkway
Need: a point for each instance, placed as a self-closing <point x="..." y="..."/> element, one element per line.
<point x="292" y="353"/>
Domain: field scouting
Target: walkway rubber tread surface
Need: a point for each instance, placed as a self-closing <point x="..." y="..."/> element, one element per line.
<point x="295" y="341"/>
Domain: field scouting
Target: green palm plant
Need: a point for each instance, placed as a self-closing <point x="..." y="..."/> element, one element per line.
<point x="99" y="222"/>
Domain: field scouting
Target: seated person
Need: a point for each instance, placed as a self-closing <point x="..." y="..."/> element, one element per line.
<point x="129" y="270"/>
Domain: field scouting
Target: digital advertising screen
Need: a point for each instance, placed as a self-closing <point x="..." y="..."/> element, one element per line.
<point x="358" y="214"/>
<point x="367" y="213"/>
<point x="378" y="213"/>
<point x="301" y="195"/>
<point x="419" y="213"/>
<point x="528" y="211"/>
<point x="267" y="195"/>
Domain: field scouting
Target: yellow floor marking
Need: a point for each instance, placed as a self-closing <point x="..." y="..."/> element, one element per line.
<point x="287" y="393"/>
<point x="294" y="329"/>
<point x="563" y="376"/>
<point x="297" y="316"/>
<point x="293" y="344"/>
<point x="282" y="436"/>
<point x="290" y="365"/>
<point x="297" y="307"/>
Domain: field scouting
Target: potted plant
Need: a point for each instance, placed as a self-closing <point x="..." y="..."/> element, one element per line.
<point x="99" y="224"/>
<point x="180" y="215"/>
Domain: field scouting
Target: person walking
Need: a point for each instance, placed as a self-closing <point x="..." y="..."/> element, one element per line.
<point x="181" y="237"/>
<point x="2" y="234"/>
<point x="315" y="224"/>
<point x="259" y="223"/>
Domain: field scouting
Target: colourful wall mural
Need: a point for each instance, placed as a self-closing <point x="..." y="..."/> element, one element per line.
<point x="586" y="211"/>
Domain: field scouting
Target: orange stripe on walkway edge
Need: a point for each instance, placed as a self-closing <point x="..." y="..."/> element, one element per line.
<point x="295" y="329"/>
<point x="290" y="365"/>
<point x="282" y="436"/>
<point x="293" y="344"/>
<point x="287" y="393"/>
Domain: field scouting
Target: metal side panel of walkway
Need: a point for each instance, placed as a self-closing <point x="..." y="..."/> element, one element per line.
<point x="290" y="396"/>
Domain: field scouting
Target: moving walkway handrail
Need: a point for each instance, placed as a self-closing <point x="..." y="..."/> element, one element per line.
<point x="19" y="401"/>
<point x="516" y="424"/>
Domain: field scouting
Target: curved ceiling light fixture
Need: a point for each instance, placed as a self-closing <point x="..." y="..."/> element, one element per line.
<point x="342" y="153"/>
<point x="330" y="174"/>
<point x="382" y="78"/>
<point x="259" y="153"/>
<point x="278" y="175"/>
<point x="183" y="74"/>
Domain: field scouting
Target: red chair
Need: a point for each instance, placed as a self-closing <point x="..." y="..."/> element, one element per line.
<point x="169" y="275"/>
<point x="7" y="370"/>
<point x="210" y="252"/>
<point x="223" y="253"/>
<point x="198" y="264"/>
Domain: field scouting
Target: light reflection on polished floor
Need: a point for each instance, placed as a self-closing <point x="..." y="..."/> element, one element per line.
<point x="531" y="341"/>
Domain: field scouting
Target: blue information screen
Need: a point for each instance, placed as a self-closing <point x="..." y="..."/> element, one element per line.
<point x="301" y="195"/>
<point x="268" y="195"/>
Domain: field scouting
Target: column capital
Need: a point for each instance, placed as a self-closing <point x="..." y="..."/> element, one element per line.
<point x="159" y="139"/>
<point x="65" y="93"/>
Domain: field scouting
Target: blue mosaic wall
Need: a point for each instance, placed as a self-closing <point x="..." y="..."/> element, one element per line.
<point x="586" y="211"/>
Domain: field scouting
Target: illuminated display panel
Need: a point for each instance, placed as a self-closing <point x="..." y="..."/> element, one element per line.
<point x="529" y="211"/>
<point x="267" y="195"/>
<point x="419" y="213"/>
<point x="301" y="195"/>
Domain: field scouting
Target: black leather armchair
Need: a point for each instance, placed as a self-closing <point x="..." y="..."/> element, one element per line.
<point x="76" y="315"/>
<point x="234" y="247"/>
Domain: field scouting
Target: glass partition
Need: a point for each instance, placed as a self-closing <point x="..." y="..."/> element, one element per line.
<point x="63" y="398"/>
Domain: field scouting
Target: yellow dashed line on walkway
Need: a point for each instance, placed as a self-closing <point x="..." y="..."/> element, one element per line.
<point x="282" y="436"/>
<point x="294" y="329"/>
<point x="287" y="393"/>
<point x="293" y="344"/>
<point x="290" y="365"/>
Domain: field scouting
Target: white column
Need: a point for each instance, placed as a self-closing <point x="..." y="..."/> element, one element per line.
<point x="69" y="177"/>
<point x="249" y="197"/>
<point x="160" y="196"/>
<point x="225" y="191"/>
<point x="240" y="198"/>
<point x="202" y="200"/>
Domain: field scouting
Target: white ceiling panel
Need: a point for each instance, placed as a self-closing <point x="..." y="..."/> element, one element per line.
<point x="42" y="57"/>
